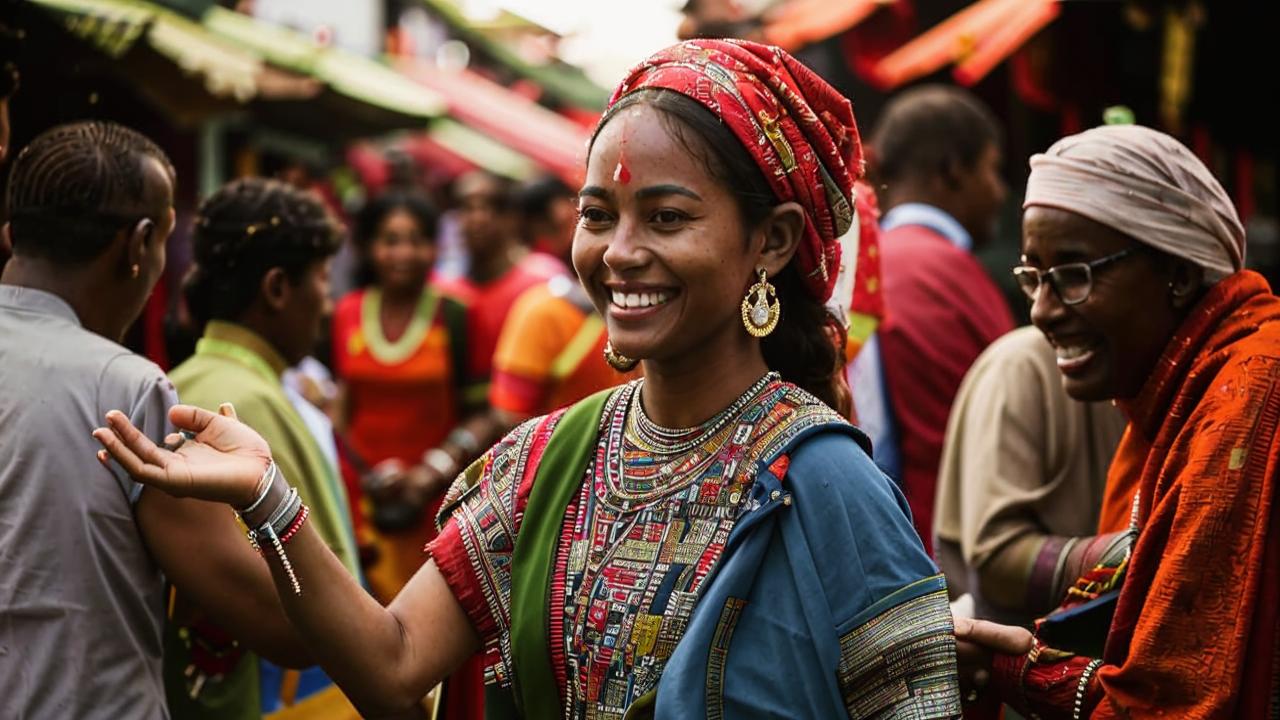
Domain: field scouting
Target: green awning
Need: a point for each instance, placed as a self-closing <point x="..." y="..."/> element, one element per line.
<point x="482" y="150"/>
<point x="115" y="26"/>
<point x="346" y="73"/>
<point x="562" y="81"/>
<point x="231" y="51"/>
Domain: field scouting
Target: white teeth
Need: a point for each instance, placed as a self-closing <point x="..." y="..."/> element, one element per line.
<point x="638" y="300"/>
<point x="1072" y="352"/>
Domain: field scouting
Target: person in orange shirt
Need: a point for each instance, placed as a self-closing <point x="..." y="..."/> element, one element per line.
<point x="550" y="353"/>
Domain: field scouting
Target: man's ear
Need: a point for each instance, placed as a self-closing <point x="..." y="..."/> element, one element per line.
<point x="781" y="231"/>
<point x="275" y="289"/>
<point x="6" y="241"/>
<point x="952" y="173"/>
<point x="137" y="244"/>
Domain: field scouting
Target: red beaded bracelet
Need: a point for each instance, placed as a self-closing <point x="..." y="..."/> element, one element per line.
<point x="296" y="525"/>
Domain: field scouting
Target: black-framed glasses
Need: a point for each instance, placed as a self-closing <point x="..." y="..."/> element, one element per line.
<point x="1072" y="281"/>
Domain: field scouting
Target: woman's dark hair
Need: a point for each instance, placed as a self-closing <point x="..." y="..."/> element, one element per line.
<point x="375" y="212"/>
<point x="800" y="347"/>
<point x="245" y="229"/>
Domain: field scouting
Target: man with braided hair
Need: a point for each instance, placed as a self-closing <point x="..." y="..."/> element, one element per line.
<point x="86" y="551"/>
<point x="260" y="289"/>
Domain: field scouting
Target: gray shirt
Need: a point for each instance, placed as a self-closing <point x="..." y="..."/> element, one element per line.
<point x="81" y="600"/>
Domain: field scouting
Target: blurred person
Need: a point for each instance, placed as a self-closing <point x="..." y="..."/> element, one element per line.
<point x="500" y="268"/>
<point x="10" y="79"/>
<point x="549" y="214"/>
<point x="1021" y="482"/>
<point x="604" y="555"/>
<point x="1133" y="258"/>
<point x="936" y="150"/>
<point x="259" y="288"/>
<point x="551" y="351"/>
<point x="399" y="350"/>
<point x="88" y="552"/>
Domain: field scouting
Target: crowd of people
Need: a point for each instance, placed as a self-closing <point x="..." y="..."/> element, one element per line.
<point x="726" y="432"/>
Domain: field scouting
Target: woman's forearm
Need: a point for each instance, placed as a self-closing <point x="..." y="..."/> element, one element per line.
<point x="382" y="661"/>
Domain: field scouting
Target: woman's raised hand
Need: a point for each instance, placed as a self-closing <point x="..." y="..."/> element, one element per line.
<point x="223" y="463"/>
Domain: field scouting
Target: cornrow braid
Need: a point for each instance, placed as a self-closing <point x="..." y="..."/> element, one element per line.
<point x="74" y="186"/>
<point x="245" y="229"/>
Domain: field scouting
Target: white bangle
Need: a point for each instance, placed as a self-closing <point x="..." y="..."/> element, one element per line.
<point x="440" y="461"/>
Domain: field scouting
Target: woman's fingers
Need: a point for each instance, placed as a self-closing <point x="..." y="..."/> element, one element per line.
<point x="1006" y="639"/>
<point x="128" y="460"/>
<point x="137" y="443"/>
<point x="192" y="418"/>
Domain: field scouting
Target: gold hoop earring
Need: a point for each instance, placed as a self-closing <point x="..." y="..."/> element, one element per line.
<point x="760" y="316"/>
<point x="617" y="360"/>
<point x="135" y="271"/>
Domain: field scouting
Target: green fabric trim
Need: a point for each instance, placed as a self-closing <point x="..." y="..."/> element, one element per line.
<point x="558" y="480"/>
<point x="386" y="351"/>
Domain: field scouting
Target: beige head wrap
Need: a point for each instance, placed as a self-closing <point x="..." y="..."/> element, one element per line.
<point x="1146" y="185"/>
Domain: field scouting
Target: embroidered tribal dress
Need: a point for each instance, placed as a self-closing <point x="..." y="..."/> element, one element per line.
<point x="646" y="527"/>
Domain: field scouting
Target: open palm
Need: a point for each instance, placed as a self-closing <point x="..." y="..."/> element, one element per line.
<point x="223" y="463"/>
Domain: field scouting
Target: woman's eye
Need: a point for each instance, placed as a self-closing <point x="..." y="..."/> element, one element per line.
<point x="669" y="217"/>
<point x="593" y="216"/>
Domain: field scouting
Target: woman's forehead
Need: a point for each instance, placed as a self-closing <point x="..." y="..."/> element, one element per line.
<point x="641" y="137"/>
<point x="1056" y="235"/>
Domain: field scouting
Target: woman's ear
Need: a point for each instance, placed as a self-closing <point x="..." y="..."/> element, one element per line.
<point x="1184" y="288"/>
<point x="782" y="231"/>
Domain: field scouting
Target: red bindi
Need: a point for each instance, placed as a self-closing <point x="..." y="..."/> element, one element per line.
<point x="621" y="174"/>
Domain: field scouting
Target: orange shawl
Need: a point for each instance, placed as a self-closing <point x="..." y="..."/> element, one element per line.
<point x="1195" y="629"/>
<point x="1195" y="632"/>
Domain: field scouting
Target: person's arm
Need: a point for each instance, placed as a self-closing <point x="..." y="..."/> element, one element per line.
<point x="384" y="659"/>
<point x="1196" y="573"/>
<point x="1005" y="437"/>
<point x="208" y="558"/>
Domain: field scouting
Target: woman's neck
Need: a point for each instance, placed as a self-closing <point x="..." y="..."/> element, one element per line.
<point x="687" y="391"/>
<point x="400" y="297"/>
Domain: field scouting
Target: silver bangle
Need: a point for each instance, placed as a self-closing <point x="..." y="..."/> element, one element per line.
<point x="1083" y="687"/>
<point x="465" y="440"/>
<point x="264" y="487"/>
<point x="440" y="461"/>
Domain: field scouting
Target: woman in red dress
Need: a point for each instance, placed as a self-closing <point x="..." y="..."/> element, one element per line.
<point x="398" y="349"/>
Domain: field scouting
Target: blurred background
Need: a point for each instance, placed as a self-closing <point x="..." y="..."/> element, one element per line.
<point x="351" y="97"/>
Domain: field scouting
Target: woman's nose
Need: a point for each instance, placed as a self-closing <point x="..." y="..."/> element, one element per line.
<point x="625" y="249"/>
<point x="1046" y="306"/>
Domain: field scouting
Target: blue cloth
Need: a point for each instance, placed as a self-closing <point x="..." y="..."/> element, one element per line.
<point x="866" y="372"/>
<point x="798" y="622"/>
<point x="934" y="218"/>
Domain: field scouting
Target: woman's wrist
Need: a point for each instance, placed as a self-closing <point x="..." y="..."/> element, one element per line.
<point x="271" y="489"/>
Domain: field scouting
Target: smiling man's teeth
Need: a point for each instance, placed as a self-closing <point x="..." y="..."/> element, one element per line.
<point x="639" y="300"/>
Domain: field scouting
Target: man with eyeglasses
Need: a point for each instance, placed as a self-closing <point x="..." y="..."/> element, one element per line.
<point x="1133" y="260"/>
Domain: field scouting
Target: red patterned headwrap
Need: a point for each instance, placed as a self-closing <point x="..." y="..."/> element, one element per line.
<point x="799" y="130"/>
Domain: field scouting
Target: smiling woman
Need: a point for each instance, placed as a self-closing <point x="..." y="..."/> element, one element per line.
<point x="640" y="552"/>
<point x="1133" y="259"/>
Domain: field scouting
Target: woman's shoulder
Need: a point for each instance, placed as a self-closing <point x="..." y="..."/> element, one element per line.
<point x="797" y="415"/>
